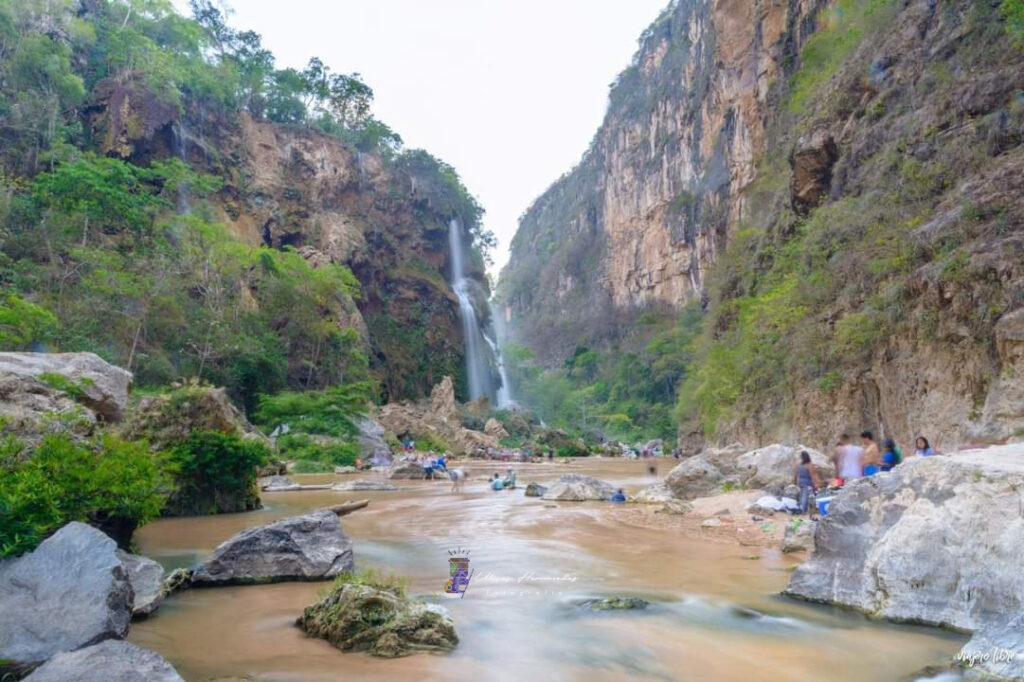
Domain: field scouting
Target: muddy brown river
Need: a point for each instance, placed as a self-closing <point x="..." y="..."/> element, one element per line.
<point x="715" y="612"/>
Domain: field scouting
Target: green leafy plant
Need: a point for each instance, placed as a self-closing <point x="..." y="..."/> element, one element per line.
<point x="212" y="472"/>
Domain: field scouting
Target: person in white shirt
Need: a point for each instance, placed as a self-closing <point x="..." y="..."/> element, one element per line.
<point x="851" y="459"/>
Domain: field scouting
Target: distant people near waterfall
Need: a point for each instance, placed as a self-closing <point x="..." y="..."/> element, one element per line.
<point x="923" y="448"/>
<point x="872" y="455"/>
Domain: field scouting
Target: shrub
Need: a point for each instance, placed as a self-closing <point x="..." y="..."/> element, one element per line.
<point x="111" y="483"/>
<point x="312" y="456"/>
<point x="214" y="472"/>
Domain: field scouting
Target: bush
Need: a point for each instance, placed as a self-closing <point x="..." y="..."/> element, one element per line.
<point x="111" y="483"/>
<point x="312" y="456"/>
<point x="215" y="472"/>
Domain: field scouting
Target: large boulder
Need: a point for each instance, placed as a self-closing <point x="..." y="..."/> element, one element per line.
<point x="408" y="469"/>
<point x="938" y="540"/>
<point x="349" y="486"/>
<point x="72" y="591"/>
<point x="696" y="477"/>
<point x="372" y="443"/>
<point x="996" y="651"/>
<point x="310" y="547"/>
<point x="168" y="418"/>
<point x="799" y="536"/>
<point x="772" y="467"/>
<point x="147" y="579"/>
<point x="380" y="621"/>
<point x="442" y="401"/>
<point x="494" y="429"/>
<point x="110" y="661"/>
<point x="535" y="490"/>
<point x="659" y="493"/>
<point x="98" y="385"/>
<point x="30" y="409"/>
<point x="578" y="488"/>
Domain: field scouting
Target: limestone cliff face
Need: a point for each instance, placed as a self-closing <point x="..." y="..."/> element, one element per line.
<point x="289" y="186"/>
<point x="712" y="131"/>
<point x="652" y="203"/>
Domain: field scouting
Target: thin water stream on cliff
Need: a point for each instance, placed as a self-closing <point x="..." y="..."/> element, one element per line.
<point x="532" y="559"/>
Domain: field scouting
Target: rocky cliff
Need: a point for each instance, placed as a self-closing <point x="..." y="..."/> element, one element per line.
<point x="293" y="186"/>
<point x="837" y="183"/>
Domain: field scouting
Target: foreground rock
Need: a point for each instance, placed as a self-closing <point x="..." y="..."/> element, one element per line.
<point x="72" y="591"/>
<point x="937" y="540"/>
<point x="110" y="661"/>
<point x="380" y="621"/>
<point x="100" y="386"/>
<point x="615" y="604"/>
<point x="535" y="490"/>
<point x="310" y="547"/>
<point x="364" y="485"/>
<point x="578" y="488"/>
<point x="996" y="652"/>
<point x="799" y="536"/>
<point x="147" y="580"/>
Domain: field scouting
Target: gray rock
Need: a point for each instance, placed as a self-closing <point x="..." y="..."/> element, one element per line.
<point x="713" y="522"/>
<point x="578" y="488"/>
<point x="996" y="651"/>
<point x="772" y="467"/>
<point x="310" y="547"/>
<point x="696" y="477"/>
<point x="147" y="579"/>
<point x="277" y="483"/>
<point x="659" y="493"/>
<point x="408" y="469"/>
<point x="937" y="540"/>
<point x="109" y="661"/>
<point x="364" y="485"/>
<point x="104" y="387"/>
<point x="374" y="447"/>
<point x="535" y="490"/>
<point x="675" y="508"/>
<point x="72" y="591"/>
<point x="799" y="536"/>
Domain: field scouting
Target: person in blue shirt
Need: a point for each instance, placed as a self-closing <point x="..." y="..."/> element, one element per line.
<point x="891" y="456"/>
<point x="496" y="483"/>
<point x="923" y="447"/>
<point x="619" y="496"/>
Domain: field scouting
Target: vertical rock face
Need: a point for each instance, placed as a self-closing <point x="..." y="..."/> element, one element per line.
<point x="72" y="591"/>
<point x="654" y="199"/>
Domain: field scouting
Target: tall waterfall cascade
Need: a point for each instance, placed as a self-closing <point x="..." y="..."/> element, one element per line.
<point x="485" y="370"/>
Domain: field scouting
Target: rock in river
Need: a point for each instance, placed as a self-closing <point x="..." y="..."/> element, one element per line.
<point x="535" y="490"/>
<point x="615" y="604"/>
<point x="147" y="579"/>
<point x="110" y="661"/>
<point x="408" y="468"/>
<point x="381" y="621"/>
<point x="72" y="591"/>
<point x="577" y="488"/>
<point x="310" y="547"/>
<point x="364" y="485"/>
<point x="938" y="540"/>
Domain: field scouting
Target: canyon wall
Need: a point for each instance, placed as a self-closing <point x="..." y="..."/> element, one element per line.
<point x="838" y="181"/>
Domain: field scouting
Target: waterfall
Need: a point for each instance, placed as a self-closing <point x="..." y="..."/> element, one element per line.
<point x="485" y="371"/>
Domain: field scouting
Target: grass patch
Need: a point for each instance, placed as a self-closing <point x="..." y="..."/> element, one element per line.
<point x="370" y="577"/>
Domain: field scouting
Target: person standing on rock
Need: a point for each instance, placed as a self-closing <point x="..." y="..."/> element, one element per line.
<point x="850" y="459"/>
<point x="806" y="478"/>
<point x="872" y="455"/>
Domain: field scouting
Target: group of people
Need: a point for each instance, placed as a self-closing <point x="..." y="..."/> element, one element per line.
<point x="852" y="461"/>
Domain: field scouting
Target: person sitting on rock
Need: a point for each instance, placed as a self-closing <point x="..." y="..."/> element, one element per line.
<point x="619" y="496"/>
<point x="806" y="478"/>
<point x="891" y="456"/>
<point x="923" y="447"/>
<point x="872" y="455"/>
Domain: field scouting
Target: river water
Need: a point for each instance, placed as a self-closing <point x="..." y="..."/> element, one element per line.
<point x="715" y="613"/>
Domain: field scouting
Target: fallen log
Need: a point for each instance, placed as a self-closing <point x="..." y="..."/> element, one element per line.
<point x="348" y="507"/>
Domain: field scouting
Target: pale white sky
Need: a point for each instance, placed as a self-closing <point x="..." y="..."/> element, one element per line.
<point x="509" y="92"/>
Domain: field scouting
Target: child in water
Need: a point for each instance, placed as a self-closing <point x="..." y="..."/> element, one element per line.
<point x="496" y="483"/>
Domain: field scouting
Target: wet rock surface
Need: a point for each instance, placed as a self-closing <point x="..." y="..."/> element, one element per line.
<point x="147" y="580"/>
<point x="309" y="547"/>
<point x="110" y="661"/>
<point x="578" y="488"/>
<point x="381" y="622"/>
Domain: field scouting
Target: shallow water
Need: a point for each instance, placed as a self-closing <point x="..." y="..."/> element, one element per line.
<point x="715" y="613"/>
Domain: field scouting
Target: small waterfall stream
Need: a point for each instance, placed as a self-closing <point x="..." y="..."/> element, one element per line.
<point x="485" y="371"/>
